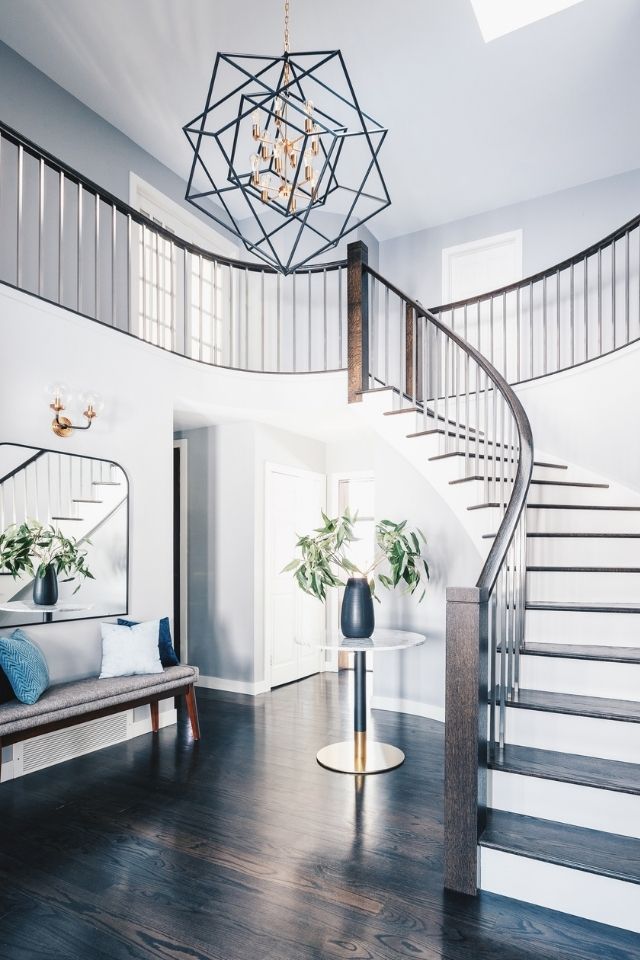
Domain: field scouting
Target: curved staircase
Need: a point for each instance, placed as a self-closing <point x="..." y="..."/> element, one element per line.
<point x="542" y="779"/>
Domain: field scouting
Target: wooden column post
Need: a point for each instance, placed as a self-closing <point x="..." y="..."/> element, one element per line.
<point x="465" y="761"/>
<point x="357" y="319"/>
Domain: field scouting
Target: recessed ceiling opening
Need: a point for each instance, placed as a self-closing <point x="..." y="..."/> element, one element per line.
<point x="499" y="17"/>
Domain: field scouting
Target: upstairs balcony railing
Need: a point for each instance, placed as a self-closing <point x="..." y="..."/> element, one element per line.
<point x="70" y="242"/>
<point x="578" y="310"/>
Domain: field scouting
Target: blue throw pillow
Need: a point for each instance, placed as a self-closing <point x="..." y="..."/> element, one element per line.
<point x="168" y="656"/>
<point x="25" y="666"/>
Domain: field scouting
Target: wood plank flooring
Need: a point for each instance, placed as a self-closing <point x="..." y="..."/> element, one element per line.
<point x="242" y="848"/>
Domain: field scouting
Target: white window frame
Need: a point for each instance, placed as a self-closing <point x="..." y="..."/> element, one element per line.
<point x="201" y="337"/>
<point x="187" y="226"/>
<point x="511" y="240"/>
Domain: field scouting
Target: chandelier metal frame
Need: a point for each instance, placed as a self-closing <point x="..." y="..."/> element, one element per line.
<point x="280" y="187"/>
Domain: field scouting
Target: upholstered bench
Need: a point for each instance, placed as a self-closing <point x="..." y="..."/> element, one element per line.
<point x="66" y="704"/>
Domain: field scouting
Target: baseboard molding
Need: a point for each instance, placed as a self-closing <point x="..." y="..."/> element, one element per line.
<point x="166" y="718"/>
<point x="416" y="707"/>
<point x="233" y="686"/>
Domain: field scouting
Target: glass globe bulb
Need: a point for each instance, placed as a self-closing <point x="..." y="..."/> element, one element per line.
<point x="59" y="393"/>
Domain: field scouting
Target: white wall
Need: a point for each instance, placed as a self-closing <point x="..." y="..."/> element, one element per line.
<point x="554" y="227"/>
<point x="589" y="415"/>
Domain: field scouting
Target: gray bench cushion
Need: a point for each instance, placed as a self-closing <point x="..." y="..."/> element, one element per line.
<point x="83" y="696"/>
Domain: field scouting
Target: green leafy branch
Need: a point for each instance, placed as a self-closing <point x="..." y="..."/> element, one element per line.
<point x="324" y="557"/>
<point x="30" y="547"/>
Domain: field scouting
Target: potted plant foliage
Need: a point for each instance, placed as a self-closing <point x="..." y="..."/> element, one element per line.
<point x="324" y="557"/>
<point x="44" y="552"/>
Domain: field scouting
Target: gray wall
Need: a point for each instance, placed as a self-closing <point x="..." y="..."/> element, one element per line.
<point x="44" y="112"/>
<point x="226" y="470"/>
<point x="554" y="226"/>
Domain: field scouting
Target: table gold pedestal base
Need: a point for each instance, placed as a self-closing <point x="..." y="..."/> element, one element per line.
<point x="360" y="756"/>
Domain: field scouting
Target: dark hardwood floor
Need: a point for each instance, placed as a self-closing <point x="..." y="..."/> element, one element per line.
<point x="242" y="848"/>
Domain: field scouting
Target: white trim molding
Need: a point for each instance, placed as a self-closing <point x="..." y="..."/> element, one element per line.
<point x="428" y="710"/>
<point x="252" y="689"/>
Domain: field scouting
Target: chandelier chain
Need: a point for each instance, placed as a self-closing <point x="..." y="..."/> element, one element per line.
<point x="286" y="26"/>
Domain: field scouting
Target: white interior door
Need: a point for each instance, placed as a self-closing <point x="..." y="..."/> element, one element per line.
<point x="293" y="501"/>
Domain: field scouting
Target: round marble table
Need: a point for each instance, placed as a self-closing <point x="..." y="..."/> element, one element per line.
<point x="27" y="606"/>
<point x="361" y="755"/>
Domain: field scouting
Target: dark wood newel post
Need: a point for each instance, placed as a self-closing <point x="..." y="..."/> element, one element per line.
<point x="465" y="758"/>
<point x="357" y="319"/>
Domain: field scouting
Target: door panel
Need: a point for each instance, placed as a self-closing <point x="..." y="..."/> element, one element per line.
<point x="293" y="501"/>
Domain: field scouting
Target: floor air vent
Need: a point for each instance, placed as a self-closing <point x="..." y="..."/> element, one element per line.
<point x="65" y="744"/>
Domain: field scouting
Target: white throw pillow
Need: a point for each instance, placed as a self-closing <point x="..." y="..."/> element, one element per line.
<point x="129" y="651"/>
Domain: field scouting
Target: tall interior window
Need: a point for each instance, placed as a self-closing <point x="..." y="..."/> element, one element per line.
<point x="191" y="319"/>
<point x="157" y="285"/>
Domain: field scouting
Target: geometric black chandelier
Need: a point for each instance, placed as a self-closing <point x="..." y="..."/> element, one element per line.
<point x="283" y="156"/>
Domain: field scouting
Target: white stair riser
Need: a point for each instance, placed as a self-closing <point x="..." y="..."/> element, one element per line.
<point x="476" y="467"/>
<point x="560" y="586"/>
<point x="583" y="551"/>
<point x="541" y="493"/>
<point x="591" y="807"/>
<point x="582" y="521"/>
<point x="577" y="626"/>
<point x="567" y="733"/>
<point x="589" y="678"/>
<point x="561" y="888"/>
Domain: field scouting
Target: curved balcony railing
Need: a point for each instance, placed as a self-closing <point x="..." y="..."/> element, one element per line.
<point x="70" y="242"/>
<point x="583" y="308"/>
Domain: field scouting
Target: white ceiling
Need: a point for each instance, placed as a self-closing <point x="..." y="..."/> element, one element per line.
<point x="473" y="125"/>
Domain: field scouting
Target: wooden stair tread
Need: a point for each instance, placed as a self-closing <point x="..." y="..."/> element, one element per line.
<point x="603" y="708"/>
<point x="583" y="607"/>
<point x="569" y="768"/>
<point x="578" y="506"/>
<point x="583" y="536"/>
<point x="593" y="851"/>
<point x="541" y="483"/>
<point x="570" y="569"/>
<point x="577" y="651"/>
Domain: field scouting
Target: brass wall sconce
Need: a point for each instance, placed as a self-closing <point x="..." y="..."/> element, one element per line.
<point x="62" y="426"/>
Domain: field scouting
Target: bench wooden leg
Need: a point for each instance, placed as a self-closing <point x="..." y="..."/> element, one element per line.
<point x="192" y="710"/>
<point x="155" y="716"/>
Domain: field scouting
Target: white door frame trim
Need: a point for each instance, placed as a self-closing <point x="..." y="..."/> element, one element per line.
<point x="183" y="446"/>
<point x="270" y="468"/>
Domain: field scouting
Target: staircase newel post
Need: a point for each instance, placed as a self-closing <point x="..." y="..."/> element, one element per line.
<point x="465" y="770"/>
<point x="357" y="320"/>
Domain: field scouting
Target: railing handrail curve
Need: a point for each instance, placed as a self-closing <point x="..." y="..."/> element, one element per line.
<point x="518" y="498"/>
<point x="551" y="271"/>
<point x="136" y="216"/>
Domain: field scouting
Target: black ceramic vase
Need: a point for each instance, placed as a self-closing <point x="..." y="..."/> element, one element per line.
<point x="45" y="588"/>
<point x="356" y="618"/>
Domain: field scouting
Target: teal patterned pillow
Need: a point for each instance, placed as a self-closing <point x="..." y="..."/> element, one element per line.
<point x="24" y="665"/>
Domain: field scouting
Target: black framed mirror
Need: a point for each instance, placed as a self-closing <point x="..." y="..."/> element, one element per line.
<point x="86" y="499"/>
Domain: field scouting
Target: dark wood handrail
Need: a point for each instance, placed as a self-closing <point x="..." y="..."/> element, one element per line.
<point x="518" y="499"/>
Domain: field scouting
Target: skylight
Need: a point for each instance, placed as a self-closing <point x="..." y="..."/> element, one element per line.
<point x="499" y="17"/>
